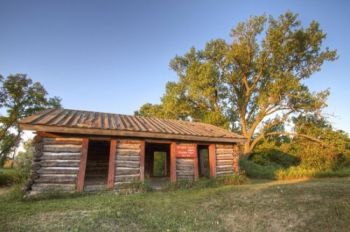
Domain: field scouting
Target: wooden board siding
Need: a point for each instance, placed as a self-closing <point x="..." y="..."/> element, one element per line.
<point x="226" y="157"/>
<point x="55" y="164"/>
<point x="212" y="160"/>
<point x="127" y="170"/>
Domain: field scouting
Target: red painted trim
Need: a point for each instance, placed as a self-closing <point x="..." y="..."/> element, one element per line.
<point x="195" y="163"/>
<point x="173" y="162"/>
<point x="142" y="161"/>
<point x="111" y="165"/>
<point x="212" y="160"/>
<point x="82" y="167"/>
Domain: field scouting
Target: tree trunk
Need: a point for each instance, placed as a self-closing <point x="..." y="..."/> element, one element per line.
<point x="246" y="149"/>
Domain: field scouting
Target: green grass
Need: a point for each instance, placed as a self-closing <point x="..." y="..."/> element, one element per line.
<point x="313" y="205"/>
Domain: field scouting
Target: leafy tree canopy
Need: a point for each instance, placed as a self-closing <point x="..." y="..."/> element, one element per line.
<point x="19" y="97"/>
<point x="252" y="84"/>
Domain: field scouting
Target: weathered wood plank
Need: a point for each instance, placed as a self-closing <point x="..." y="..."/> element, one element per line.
<point x="58" y="170"/>
<point x="128" y="152"/>
<point x="127" y="171"/>
<point x="41" y="187"/>
<point x="61" y="156"/>
<point x="57" y="178"/>
<point x="59" y="163"/>
<point x="125" y="178"/>
<point x="129" y="146"/>
<point x="62" y="148"/>
<point x="224" y="157"/>
<point x="127" y="158"/>
<point x="128" y="164"/>
<point x="224" y="162"/>
<point x="224" y="151"/>
<point x="59" y="141"/>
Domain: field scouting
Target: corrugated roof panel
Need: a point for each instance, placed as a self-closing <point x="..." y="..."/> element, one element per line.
<point x="105" y="121"/>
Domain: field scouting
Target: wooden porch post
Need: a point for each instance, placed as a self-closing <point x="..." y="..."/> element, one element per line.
<point x="173" y="162"/>
<point x="142" y="161"/>
<point x="82" y="166"/>
<point x="111" y="164"/>
<point x="212" y="160"/>
<point x="195" y="160"/>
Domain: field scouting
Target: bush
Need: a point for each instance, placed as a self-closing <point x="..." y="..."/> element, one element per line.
<point x="8" y="176"/>
<point x="304" y="172"/>
<point x="254" y="170"/>
<point x="274" y="157"/>
<point x="23" y="162"/>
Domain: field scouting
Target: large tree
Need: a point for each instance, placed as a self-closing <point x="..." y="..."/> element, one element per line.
<point x="19" y="97"/>
<point x="251" y="84"/>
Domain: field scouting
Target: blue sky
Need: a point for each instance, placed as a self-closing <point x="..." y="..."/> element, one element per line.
<point x="113" y="56"/>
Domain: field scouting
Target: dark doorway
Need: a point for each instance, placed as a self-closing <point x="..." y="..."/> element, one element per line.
<point x="157" y="160"/>
<point x="203" y="160"/>
<point x="96" y="173"/>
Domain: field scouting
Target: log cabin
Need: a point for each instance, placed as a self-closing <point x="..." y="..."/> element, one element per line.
<point x="86" y="151"/>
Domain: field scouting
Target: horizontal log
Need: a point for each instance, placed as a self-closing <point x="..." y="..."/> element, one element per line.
<point x="128" y="152"/>
<point x="224" y="157"/>
<point x="127" y="171"/>
<point x="62" y="148"/>
<point x="186" y="173"/>
<point x="60" y="163"/>
<point x="224" y="151"/>
<point x="132" y="146"/>
<point x="128" y="164"/>
<point x="127" y="178"/>
<point x="224" y="168"/>
<point x="61" y="156"/>
<point x="184" y="161"/>
<point x="57" y="178"/>
<point x="224" y="162"/>
<point x="127" y="158"/>
<point x="220" y="146"/>
<point x="224" y="173"/>
<point x="122" y="141"/>
<point x="58" y="170"/>
<point x="185" y="168"/>
<point x="41" y="187"/>
<point x="58" y="141"/>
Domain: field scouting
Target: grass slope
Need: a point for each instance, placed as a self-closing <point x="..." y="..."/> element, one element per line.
<point x="310" y="205"/>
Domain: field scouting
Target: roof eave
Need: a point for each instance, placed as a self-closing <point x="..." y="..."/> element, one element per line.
<point x="124" y="133"/>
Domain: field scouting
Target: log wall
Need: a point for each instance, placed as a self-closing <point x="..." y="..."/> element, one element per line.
<point x="127" y="163"/>
<point x="184" y="169"/>
<point x="227" y="157"/>
<point x="55" y="164"/>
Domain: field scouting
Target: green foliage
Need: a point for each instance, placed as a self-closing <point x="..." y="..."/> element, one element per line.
<point x="253" y="83"/>
<point x="274" y="157"/>
<point x="19" y="97"/>
<point x="303" y="172"/>
<point x="8" y="176"/>
<point x="254" y="170"/>
<point x="23" y="161"/>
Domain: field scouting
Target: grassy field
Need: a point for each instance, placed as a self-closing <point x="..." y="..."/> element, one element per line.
<point x="304" y="205"/>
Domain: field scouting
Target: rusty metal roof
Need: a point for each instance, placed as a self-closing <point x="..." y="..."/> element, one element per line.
<point x="87" y="122"/>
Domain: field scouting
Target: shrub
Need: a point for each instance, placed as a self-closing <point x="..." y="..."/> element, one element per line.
<point x="274" y="157"/>
<point x="254" y="170"/>
<point x="8" y="176"/>
<point x="304" y="172"/>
